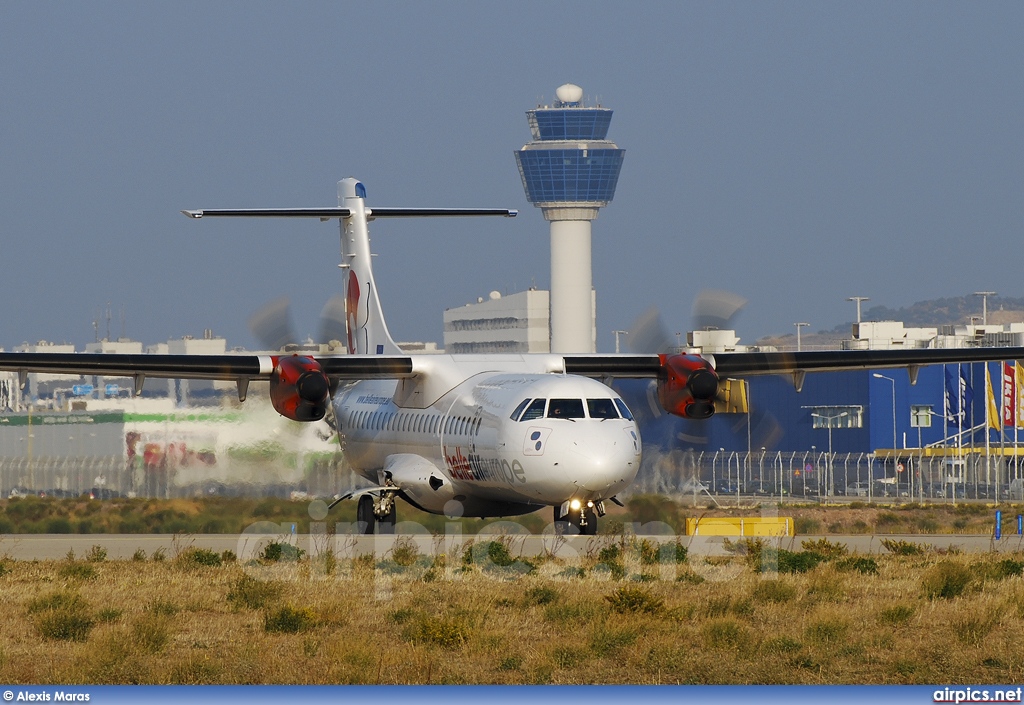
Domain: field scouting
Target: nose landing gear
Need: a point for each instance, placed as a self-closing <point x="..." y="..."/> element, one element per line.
<point x="578" y="518"/>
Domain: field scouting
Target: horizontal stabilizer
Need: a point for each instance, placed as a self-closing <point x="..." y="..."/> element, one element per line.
<point x="324" y="213"/>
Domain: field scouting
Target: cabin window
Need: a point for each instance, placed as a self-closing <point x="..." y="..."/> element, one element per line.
<point x="534" y="411"/>
<point x="602" y="409"/>
<point x="623" y="409"/>
<point x="519" y="409"/>
<point x="566" y="409"/>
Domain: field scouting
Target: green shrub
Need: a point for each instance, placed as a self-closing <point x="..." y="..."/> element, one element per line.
<point x="511" y="663"/>
<point x="945" y="580"/>
<point x="773" y="591"/>
<point x="288" y="619"/>
<point x="614" y="570"/>
<point x="895" y="615"/>
<point x="278" y="551"/>
<point x="249" y="593"/>
<point x="724" y="634"/>
<point x="139" y="556"/>
<point x="494" y="557"/>
<point x="77" y="571"/>
<point x="60" y="599"/>
<point x="151" y="631"/>
<point x="1006" y="568"/>
<point x="569" y="611"/>
<point x="61" y="616"/>
<point x="198" y="557"/>
<point x="4" y="567"/>
<point x="825" y="548"/>
<point x="903" y="548"/>
<point x="541" y="595"/>
<point x="159" y="555"/>
<point x="606" y="641"/>
<point x="164" y="608"/>
<point x="228" y="556"/>
<point x="787" y="561"/>
<point x="827" y="631"/>
<point x="109" y="614"/>
<point x="446" y="632"/>
<point x="405" y="552"/>
<point x="64" y="625"/>
<point x="806" y="525"/>
<point x="609" y="554"/>
<point x="58" y="525"/>
<point x="96" y="554"/>
<point x="635" y="599"/>
<point x="861" y="564"/>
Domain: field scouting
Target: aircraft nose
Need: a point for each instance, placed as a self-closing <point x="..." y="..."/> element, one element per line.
<point x="603" y="464"/>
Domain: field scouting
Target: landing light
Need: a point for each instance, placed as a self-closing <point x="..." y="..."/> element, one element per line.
<point x="575" y="504"/>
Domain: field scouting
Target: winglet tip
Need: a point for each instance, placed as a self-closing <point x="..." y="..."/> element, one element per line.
<point x="193" y="214"/>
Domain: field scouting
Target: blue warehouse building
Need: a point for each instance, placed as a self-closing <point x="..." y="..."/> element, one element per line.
<point x="785" y="436"/>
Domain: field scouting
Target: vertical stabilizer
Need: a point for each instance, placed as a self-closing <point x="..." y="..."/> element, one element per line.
<point x="367" y="332"/>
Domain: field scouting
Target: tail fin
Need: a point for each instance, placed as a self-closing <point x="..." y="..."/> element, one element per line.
<point x="367" y="332"/>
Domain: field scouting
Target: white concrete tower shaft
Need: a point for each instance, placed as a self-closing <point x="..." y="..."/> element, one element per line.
<point x="572" y="313"/>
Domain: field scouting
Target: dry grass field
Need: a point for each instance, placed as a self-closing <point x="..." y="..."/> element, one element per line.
<point x="757" y="615"/>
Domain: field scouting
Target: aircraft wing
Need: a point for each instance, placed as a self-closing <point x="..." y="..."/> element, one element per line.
<point x="746" y="364"/>
<point x="222" y="367"/>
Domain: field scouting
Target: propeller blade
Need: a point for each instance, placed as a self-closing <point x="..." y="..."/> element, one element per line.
<point x="332" y="321"/>
<point x="271" y="326"/>
<point x="648" y="335"/>
<point x="715" y="309"/>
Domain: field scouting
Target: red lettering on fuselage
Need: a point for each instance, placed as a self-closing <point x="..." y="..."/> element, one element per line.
<point x="458" y="464"/>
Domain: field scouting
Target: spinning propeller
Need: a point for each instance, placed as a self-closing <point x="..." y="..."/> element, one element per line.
<point x="299" y="389"/>
<point x="687" y="384"/>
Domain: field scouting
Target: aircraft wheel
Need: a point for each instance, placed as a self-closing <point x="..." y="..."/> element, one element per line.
<point x="567" y="524"/>
<point x="386" y="525"/>
<point x="364" y="515"/>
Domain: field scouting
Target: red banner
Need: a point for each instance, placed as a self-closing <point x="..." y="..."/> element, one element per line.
<point x="1009" y="398"/>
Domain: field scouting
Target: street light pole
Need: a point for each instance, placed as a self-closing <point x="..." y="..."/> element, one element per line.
<point x="895" y="476"/>
<point x="984" y="304"/>
<point x="828" y="463"/>
<point x="798" y="327"/>
<point x="858" y="299"/>
<point x="617" y="334"/>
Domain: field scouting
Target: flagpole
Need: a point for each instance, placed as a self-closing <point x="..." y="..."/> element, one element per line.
<point x="988" y="424"/>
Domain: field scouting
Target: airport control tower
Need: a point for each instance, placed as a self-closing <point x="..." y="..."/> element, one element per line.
<point x="569" y="171"/>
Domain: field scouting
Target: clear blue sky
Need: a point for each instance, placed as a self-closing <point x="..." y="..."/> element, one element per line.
<point x="796" y="153"/>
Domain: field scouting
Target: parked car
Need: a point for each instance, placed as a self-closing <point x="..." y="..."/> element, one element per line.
<point x="857" y="489"/>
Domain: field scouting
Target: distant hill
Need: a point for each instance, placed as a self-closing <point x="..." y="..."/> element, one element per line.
<point x="923" y="314"/>
<point x="940" y="312"/>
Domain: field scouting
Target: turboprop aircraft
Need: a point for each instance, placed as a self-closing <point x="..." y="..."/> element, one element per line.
<point x="471" y="435"/>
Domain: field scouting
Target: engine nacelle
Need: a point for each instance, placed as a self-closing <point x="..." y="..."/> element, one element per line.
<point x="687" y="386"/>
<point x="299" y="389"/>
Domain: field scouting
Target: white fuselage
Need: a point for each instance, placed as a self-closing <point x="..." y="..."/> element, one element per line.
<point x="571" y="438"/>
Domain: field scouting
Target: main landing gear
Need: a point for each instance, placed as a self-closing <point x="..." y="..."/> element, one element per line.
<point x="376" y="513"/>
<point x="578" y="518"/>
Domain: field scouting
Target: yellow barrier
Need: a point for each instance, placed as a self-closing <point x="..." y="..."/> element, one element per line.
<point x="740" y="526"/>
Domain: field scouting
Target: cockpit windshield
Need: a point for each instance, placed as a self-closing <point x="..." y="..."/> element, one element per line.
<point x="623" y="409"/>
<point x="519" y="410"/>
<point x="566" y="409"/>
<point x="534" y="411"/>
<point x="602" y="409"/>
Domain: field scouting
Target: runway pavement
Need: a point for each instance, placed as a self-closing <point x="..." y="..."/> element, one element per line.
<point x="249" y="545"/>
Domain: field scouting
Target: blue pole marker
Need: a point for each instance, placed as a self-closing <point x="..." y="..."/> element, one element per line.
<point x="1020" y="524"/>
<point x="999" y="524"/>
